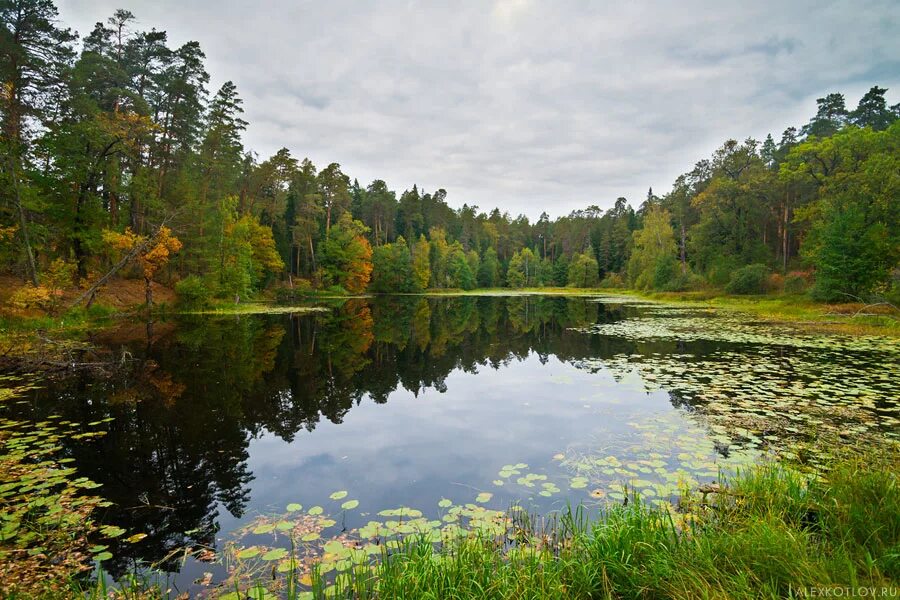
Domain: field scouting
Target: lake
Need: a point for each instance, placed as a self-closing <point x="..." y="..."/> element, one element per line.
<point x="234" y="434"/>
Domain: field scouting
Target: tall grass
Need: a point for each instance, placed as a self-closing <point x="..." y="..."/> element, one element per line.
<point x="770" y="532"/>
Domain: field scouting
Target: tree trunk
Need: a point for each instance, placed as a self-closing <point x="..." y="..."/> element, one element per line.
<point x="23" y="224"/>
<point x="683" y="249"/>
<point x="148" y="291"/>
<point x="784" y="237"/>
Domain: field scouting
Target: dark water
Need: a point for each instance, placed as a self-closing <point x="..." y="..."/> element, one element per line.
<point x="399" y="401"/>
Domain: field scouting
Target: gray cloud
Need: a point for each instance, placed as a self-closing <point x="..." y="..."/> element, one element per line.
<point x="525" y="104"/>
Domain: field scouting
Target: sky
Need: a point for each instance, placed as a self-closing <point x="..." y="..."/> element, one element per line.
<point x="527" y="105"/>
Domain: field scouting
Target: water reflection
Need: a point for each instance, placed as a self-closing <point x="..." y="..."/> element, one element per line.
<point x="201" y="389"/>
<point x="213" y="420"/>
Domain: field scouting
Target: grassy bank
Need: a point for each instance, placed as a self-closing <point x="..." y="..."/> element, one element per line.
<point x="850" y="317"/>
<point x="770" y="533"/>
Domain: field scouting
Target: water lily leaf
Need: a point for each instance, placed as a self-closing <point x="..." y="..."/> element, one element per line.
<point x="264" y="528"/>
<point x="338" y="495"/>
<point x="350" y="504"/>
<point x="484" y="497"/>
<point x="444" y="503"/>
<point x="112" y="531"/>
<point x="333" y="547"/>
<point x="310" y="537"/>
<point x="316" y="510"/>
<point x="248" y="553"/>
<point x="294" y="507"/>
<point x="275" y="554"/>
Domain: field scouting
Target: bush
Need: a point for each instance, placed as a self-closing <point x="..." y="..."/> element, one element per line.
<point x="664" y="272"/>
<point x="684" y="282"/>
<point x="192" y="292"/>
<point x="30" y="296"/>
<point x="612" y="280"/>
<point x="720" y="271"/>
<point x="775" y="282"/>
<point x="795" y="283"/>
<point x="286" y="295"/>
<point x="751" y="279"/>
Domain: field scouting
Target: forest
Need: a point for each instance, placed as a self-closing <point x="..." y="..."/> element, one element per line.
<point x="118" y="156"/>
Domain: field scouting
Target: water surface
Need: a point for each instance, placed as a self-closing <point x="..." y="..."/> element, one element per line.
<point x="220" y="423"/>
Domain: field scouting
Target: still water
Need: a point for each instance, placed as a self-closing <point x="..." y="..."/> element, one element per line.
<point x="220" y="424"/>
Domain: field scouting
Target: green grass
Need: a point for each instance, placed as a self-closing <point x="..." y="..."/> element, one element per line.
<point x="771" y="535"/>
<point x="772" y="532"/>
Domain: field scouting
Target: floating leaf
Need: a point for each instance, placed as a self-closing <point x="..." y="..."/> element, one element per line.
<point x="484" y="497"/>
<point x="248" y="553"/>
<point x="338" y="495"/>
<point x="310" y="537"/>
<point x="350" y="504"/>
<point x="275" y="554"/>
<point x="112" y="531"/>
<point x="294" y="507"/>
<point x="316" y="510"/>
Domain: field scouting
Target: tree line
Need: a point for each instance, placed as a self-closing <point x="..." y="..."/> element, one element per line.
<point x="113" y="143"/>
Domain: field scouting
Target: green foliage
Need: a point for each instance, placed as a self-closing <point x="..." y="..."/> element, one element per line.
<point x="795" y="283"/>
<point x="421" y="263"/>
<point x="851" y="257"/>
<point x="665" y="272"/>
<point x="854" y="237"/>
<point x="523" y="269"/>
<point x="721" y="269"/>
<point x="123" y="134"/>
<point x="193" y="293"/>
<point x="583" y="271"/>
<point x="752" y="279"/>
<point x="489" y="269"/>
<point x="654" y="245"/>
<point x="613" y="280"/>
<point x="459" y="270"/>
<point x="392" y="269"/>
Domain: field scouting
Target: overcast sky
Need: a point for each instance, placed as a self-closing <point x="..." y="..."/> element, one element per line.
<point x="527" y="105"/>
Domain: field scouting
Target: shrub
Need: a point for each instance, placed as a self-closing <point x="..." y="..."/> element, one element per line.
<point x="300" y="289"/>
<point x="31" y="296"/>
<point x="795" y="283"/>
<point x="684" y="282"/>
<point x="613" y="280"/>
<point x="192" y="292"/>
<point x="721" y="270"/>
<point x="775" y="282"/>
<point x="751" y="279"/>
<point x="664" y="272"/>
